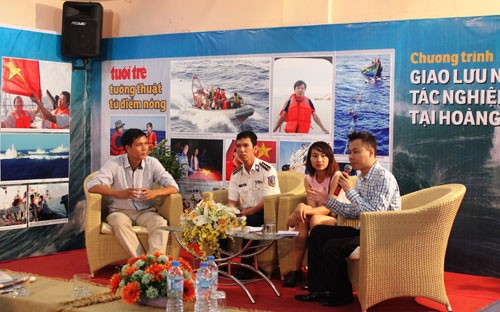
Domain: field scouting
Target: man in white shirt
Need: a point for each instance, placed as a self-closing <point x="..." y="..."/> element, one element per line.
<point x="128" y="180"/>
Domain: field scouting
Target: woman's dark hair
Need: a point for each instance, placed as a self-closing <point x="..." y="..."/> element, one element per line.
<point x="131" y="135"/>
<point x="326" y="149"/>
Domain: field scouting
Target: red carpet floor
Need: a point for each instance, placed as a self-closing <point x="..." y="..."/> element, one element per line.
<point x="466" y="292"/>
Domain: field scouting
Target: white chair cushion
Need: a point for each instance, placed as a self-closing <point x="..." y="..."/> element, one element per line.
<point x="354" y="254"/>
<point x="108" y="229"/>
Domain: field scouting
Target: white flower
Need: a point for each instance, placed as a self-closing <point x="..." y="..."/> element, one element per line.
<point x="137" y="275"/>
<point x="199" y="220"/>
<point x="152" y="293"/>
<point x="139" y="263"/>
<point x="163" y="259"/>
<point x="146" y="278"/>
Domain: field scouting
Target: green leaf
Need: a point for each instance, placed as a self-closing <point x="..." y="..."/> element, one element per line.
<point x="168" y="159"/>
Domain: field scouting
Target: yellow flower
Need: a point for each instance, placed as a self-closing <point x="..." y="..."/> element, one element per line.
<point x="207" y="223"/>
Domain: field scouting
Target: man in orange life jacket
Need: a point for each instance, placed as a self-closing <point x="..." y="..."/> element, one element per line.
<point x="298" y="111"/>
<point x="215" y="103"/>
<point x="222" y="99"/>
<point x="19" y="117"/>
<point x="116" y="147"/>
<point x="59" y="117"/>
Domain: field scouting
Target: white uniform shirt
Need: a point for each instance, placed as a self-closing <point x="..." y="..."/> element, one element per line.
<point x="252" y="186"/>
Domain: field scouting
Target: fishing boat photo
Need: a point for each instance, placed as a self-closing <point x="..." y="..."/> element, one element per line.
<point x="373" y="72"/>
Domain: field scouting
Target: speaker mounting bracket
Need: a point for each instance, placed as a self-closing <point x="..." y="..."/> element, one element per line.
<point x="85" y="61"/>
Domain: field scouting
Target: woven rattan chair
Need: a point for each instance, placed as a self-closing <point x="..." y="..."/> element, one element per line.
<point x="402" y="253"/>
<point x="291" y="183"/>
<point x="102" y="246"/>
<point x="287" y="205"/>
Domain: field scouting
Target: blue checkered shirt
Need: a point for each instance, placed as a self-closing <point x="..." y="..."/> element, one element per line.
<point x="378" y="190"/>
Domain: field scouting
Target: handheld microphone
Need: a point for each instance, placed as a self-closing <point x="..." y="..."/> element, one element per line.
<point x="347" y="169"/>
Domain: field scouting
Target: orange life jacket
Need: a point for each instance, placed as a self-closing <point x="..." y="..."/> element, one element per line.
<point x="59" y="111"/>
<point x="299" y="115"/>
<point x="115" y="149"/>
<point x="223" y="100"/>
<point x="22" y="120"/>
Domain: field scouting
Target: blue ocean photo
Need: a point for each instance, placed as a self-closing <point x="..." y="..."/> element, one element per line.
<point x="249" y="77"/>
<point x="36" y="156"/>
<point x="362" y="102"/>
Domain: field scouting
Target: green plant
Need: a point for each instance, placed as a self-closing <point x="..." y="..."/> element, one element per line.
<point x="168" y="159"/>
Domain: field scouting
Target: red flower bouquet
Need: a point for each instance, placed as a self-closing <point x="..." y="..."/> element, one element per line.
<point x="146" y="277"/>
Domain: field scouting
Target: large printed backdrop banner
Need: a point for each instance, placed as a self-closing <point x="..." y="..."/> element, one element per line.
<point x="427" y="89"/>
<point x="37" y="200"/>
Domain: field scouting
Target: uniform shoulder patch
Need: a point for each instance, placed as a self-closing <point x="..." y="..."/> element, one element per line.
<point x="264" y="165"/>
<point x="235" y="171"/>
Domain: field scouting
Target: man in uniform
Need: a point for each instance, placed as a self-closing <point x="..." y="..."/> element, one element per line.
<point x="251" y="181"/>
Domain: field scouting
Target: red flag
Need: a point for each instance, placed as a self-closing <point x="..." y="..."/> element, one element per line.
<point x="266" y="150"/>
<point x="21" y="77"/>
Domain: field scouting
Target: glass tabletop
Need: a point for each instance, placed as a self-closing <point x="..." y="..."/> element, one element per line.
<point x="245" y="234"/>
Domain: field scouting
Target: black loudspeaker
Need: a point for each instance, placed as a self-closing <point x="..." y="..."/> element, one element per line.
<point x="81" y="29"/>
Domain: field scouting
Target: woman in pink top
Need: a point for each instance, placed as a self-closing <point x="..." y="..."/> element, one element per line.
<point x="323" y="175"/>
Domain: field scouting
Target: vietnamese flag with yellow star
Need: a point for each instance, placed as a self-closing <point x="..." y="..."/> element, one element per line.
<point x="266" y="150"/>
<point x="21" y="77"/>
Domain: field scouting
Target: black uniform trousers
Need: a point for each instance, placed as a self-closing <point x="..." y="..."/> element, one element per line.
<point x="328" y="248"/>
<point x="256" y="219"/>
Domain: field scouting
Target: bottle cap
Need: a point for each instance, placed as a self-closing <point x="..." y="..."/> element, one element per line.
<point x="210" y="258"/>
<point x="175" y="263"/>
<point x="203" y="264"/>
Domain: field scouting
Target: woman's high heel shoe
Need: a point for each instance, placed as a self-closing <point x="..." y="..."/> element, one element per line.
<point x="292" y="278"/>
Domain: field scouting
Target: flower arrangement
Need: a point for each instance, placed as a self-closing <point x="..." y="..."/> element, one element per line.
<point x="146" y="277"/>
<point x="207" y="223"/>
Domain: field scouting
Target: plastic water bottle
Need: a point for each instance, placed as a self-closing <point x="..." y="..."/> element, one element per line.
<point x="215" y="272"/>
<point x="203" y="288"/>
<point x="175" y="288"/>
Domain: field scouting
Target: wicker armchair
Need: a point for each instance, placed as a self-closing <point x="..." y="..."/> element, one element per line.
<point x="291" y="183"/>
<point x="402" y="252"/>
<point x="102" y="246"/>
<point x="287" y="205"/>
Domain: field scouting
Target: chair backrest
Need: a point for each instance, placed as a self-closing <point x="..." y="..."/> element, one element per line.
<point x="291" y="182"/>
<point x="441" y="201"/>
<point x="434" y="196"/>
